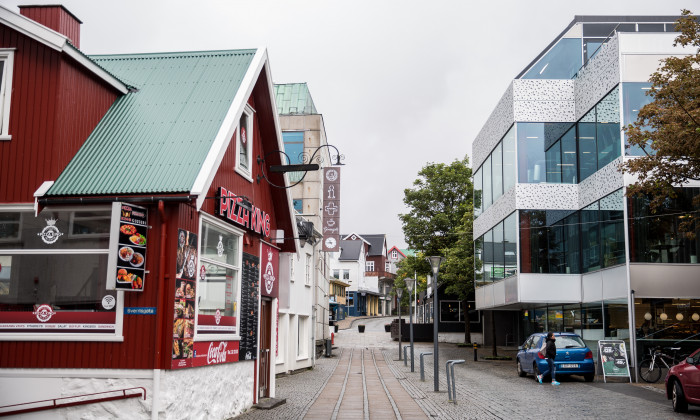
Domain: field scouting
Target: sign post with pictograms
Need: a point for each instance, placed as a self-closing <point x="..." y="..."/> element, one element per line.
<point x="331" y="209"/>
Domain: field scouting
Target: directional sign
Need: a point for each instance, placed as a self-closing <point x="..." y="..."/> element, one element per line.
<point x="331" y="209"/>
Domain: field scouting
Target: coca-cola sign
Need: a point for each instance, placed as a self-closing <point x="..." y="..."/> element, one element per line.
<point x="215" y="352"/>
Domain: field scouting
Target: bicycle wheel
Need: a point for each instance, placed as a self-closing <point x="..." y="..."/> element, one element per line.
<point x="649" y="374"/>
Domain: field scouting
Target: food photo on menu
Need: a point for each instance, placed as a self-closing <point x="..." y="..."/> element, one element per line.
<point x="131" y="256"/>
<point x="186" y="255"/>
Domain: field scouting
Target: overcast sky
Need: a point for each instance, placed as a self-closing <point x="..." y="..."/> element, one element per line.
<point x="399" y="83"/>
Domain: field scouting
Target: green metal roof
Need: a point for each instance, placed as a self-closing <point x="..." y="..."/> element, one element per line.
<point x="155" y="139"/>
<point x="294" y="98"/>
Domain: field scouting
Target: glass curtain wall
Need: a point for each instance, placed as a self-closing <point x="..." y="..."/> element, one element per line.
<point x="634" y="97"/>
<point x="496" y="175"/>
<point x="667" y="322"/>
<point x="495" y="252"/>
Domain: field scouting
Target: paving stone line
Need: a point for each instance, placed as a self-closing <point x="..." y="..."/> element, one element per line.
<point x="365" y="408"/>
<point x="388" y="394"/>
<point x="320" y="390"/>
<point x="342" y="391"/>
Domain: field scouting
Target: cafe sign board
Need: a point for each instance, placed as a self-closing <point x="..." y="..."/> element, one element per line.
<point x="331" y="209"/>
<point x="126" y="269"/>
<point x="613" y="358"/>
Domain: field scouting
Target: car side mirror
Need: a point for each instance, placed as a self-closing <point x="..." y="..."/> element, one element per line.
<point x="690" y="361"/>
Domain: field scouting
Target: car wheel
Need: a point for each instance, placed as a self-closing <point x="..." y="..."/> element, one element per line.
<point x="680" y="405"/>
<point x="589" y="377"/>
<point x="521" y="372"/>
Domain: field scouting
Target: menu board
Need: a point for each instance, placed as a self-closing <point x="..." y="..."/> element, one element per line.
<point x="185" y="305"/>
<point x="127" y="247"/>
<point x="613" y="356"/>
<point x="250" y="292"/>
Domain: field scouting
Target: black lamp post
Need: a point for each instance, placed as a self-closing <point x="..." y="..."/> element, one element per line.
<point x="410" y="284"/>
<point x="435" y="265"/>
<point x="399" y="292"/>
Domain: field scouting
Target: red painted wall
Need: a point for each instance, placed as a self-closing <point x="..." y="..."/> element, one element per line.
<point x="55" y="105"/>
<point x="55" y="17"/>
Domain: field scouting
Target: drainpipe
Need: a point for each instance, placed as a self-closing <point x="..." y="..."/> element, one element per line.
<point x="160" y="293"/>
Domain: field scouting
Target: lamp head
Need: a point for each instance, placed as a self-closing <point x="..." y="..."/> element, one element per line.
<point x="399" y="292"/>
<point x="435" y="262"/>
<point x="410" y="284"/>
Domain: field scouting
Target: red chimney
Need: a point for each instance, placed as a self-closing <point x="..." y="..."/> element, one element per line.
<point x="56" y="17"/>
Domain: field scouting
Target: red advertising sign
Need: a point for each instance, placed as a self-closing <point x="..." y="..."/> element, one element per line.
<point x="44" y="319"/>
<point x="215" y="352"/>
<point x="229" y="206"/>
<point x="269" y="262"/>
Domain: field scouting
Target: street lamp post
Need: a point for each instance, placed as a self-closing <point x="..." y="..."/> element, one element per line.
<point x="410" y="284"/>
<point x="435" y="265"/>
<point x="399" y="292"/>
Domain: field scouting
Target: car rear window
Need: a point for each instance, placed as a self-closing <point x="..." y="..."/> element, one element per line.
<point x="569" y="342"/>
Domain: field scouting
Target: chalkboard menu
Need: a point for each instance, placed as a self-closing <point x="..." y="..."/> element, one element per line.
<point x="250" y="291"/>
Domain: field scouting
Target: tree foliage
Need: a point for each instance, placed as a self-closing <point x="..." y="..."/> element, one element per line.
<point x="437" y="202"/>
<point x="668" y="128"/>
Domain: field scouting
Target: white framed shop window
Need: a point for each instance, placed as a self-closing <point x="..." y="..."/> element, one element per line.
<point x="7" y="56"/>
<point x="244" y="144"/>
<point x="53" y="275"/>
<point x="218" y="294"/>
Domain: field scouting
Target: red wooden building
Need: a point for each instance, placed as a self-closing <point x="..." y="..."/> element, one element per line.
<point x="135" y="229"/>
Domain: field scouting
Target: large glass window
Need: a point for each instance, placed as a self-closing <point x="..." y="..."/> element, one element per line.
<point x="608" y="128"/>
<point x="553" y="156"/>
<point x="218" y="293"/>
<point x="478" y="202"/>
<point x="562" y="61"/>
<point x="497" y="171"/>
<point x="53" y="267"/>
<point x="498" y="263"/>
<point x="294" y="148"/>
<point x="569" y="167"/>
<point x="656" y="238"/>
<point x="531" y="156"/>
<point x="510" y="232"/>
<point x="509" y="159"/>
<point x="612" y="229"/>
<point x="590" y="238"/>
<point x="634" y="97"/>
<point x="667" y="322"/>
<point x="487" y="186"/>
<point x="587" y="152"/>
<point x="495" y="252"/>
<point x="449" y="311"/>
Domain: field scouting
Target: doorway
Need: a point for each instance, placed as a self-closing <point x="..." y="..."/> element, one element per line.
<point x="265" y="340"/>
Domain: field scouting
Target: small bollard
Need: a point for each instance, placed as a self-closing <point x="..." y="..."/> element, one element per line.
<point x="422" y="370"/>
<point x="405" y="360"/>
<point x="450" y="371"/>
<point x="475" y="356"/>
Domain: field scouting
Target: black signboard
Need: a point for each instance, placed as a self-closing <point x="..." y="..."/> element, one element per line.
<point x="250" y="292"/>
<point x="127" y="247"/>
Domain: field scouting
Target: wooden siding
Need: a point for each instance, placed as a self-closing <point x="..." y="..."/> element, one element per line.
<point x="55" y="17"/>
<point x="55" y="106"/>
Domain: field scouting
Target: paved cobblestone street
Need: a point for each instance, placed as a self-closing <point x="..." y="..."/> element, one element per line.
<point x="365" y="380"/>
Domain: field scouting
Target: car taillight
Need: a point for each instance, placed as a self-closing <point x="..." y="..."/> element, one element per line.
<point x="540" y="355"/>
<point x="589" y="355"/>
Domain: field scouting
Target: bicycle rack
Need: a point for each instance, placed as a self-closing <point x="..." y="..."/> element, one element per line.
<point x="422" y="371"/>
<point x="450" y="366"/>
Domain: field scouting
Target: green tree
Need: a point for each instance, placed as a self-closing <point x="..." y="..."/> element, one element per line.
<point x="668" y="128"/>
<point x="440" y="223"/>
<point x="438" y="200"/>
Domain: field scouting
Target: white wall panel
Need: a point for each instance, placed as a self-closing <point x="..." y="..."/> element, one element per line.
<point x="558" y="288"/>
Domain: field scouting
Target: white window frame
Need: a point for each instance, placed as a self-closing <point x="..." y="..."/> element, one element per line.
<point x="7" y="56"/>
<point x="309" y="270"/>
<point x="117" y="336"/>
<point x="394" y="255"/>
<point x="245" y="173"/>
<point x="204" y="217"/>
<point x="369" y="265"/>
<point x="346" y="271"/>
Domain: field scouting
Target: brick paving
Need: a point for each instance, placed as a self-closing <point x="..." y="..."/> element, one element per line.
<point x="365" y="380"/>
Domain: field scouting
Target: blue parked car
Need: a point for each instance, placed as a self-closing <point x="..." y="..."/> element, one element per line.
<point x="573" y="356"/>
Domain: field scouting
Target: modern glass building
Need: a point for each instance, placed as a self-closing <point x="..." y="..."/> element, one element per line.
<point x="562" y="248"/>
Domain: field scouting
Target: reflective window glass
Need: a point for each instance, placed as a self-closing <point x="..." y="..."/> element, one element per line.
<point x="590" y="238"/>
<point x="572" y="252"/>
<point x="510" y="232"/>
<point x="608" y="128"/>
<point x="509" y="159"/>
<point x="479" y="259"/>
<point x="497" y="171"/>
<point x="562" y="61"/>
<point x="587" y="158"/>
<point x="531" y="156"/>
<point x="478" y="206"/>
<point x="487" y="191"/>
<point x="612" y="229"/>
<point x="553" y="156"/>
<point x="634" y="97"/>
<point x="568" y="157"/>
<point x="498" y="270"/>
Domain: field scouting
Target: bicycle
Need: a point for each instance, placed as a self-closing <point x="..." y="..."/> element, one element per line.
<point x="650" y="369"/>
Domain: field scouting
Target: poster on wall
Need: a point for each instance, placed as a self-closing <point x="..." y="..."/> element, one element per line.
<point x="270" y="275"/>
<point x="127" y="248"/>
<point x="613" y="358"/>
<point x="250" y="292"/>
<point x="185" y="305"/>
